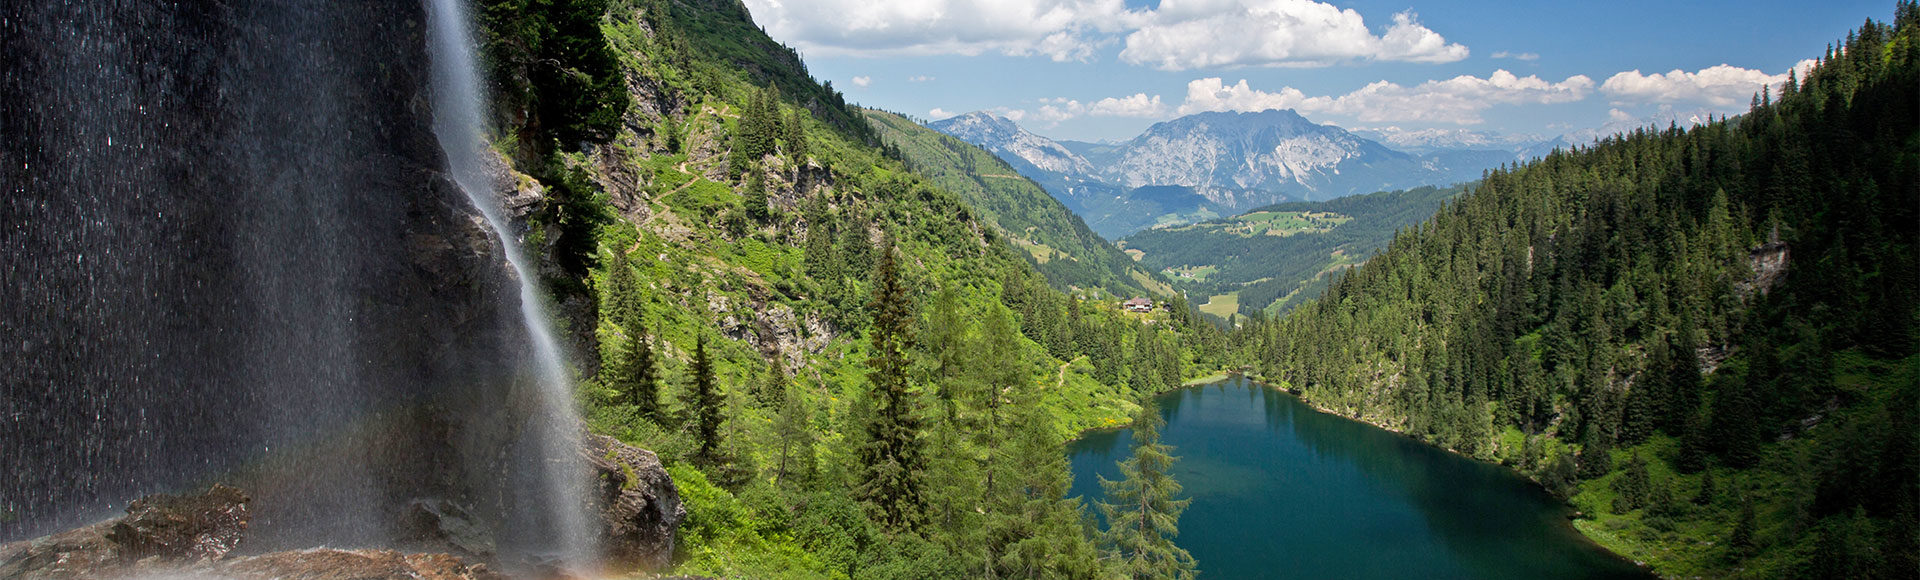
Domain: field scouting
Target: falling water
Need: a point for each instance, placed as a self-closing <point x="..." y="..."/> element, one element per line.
<point x="554" y="437"/>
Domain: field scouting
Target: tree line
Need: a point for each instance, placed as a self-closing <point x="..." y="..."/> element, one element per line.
<point x="1730" y="307"/>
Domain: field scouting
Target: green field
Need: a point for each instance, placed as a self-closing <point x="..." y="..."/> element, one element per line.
<point x="1195" y="273"/>
<point x="1222" y="305"/>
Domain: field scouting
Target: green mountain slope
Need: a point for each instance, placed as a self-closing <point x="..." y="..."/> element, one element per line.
<point x="848" y="369"/>
<point x="1275" y="257"/>
<point x="1706" y="338"/>
<point x="1056" y="241"/>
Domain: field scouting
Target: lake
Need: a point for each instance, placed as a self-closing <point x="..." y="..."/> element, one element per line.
<point x="1283" y="491"/>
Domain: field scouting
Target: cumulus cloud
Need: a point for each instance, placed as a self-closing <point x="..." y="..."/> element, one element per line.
<point x="1211" y="94"/>
<point x="1516" y="55"/>
<point x="862" y="82"/>
<point x="1138" y="105"/>
<point x="1721" y="86"/>
<point x="1054" y="110"/>
<point x="1178" y="35"/>
<point x="1059" y="29"/>
<point x="1458" y="100"/>
<point x="938" y="113"/>
<point x="919" y="78"/>
<point x="1186" y="34"/>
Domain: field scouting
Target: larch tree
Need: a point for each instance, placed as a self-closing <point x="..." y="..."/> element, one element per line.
<point x="1142" y="515"/>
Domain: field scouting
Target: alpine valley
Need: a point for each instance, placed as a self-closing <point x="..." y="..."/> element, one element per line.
<point x="1217" y="164"/>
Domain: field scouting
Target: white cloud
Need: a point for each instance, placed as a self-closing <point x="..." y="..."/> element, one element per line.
<point x="1186" y="34"/>
<point x="1721" y="86"/>
<point x="938" y="113"/>
<point x="1060" y="29"/>
<point x="862" y="82"/>
<point x="1210" y="94"/>
<point x="1619" y="121"/>
<point x="1458" y="100"/>
<point x="1054" y="110"/>
<point x="919" y="78"/>
<point x="1179" y="34"/>
<point x="1138" y="105"/>
<point x="1516" y="55"/>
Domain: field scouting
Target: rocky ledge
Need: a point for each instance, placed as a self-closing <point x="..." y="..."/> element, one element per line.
<point x="196" y="535"/>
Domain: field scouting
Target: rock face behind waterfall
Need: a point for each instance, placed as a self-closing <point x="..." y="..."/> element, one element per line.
<point x="199" y="535"/>
<point x="190" y="536"/>
<point x="234" y="255"/>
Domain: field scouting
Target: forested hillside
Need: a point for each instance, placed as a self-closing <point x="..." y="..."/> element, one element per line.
<point x="849" y="370"/>
<point x="1275" y="257"/>
<point x="1706" y="338"/>
<point x="1057" y="242"/>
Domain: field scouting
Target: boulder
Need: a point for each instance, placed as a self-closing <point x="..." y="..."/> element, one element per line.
<point x="639" y="507"/>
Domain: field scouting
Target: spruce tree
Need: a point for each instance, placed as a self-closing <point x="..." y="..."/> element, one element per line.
<point x="890" y="456"/>
<point x="639" y="374"/>
<point x="1142" y="515"/>
<point x="1740" y="541"/>
<point x="622" y="292"/>
<point x="705" y="409"/>
<point x="796" y="139"/>
<point x="1707" y="491"/>
<point x="755" y="194"/>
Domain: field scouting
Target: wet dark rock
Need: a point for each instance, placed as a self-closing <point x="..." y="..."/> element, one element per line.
<point x="157" y="530"/>
<point x="639" y="507"/>
<point x="446" y="526"/>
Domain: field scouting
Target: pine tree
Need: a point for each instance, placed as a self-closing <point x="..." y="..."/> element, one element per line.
<point x="1142" y="515"/>
<point x="705" y="401"/>
<point x="890" y="456"/>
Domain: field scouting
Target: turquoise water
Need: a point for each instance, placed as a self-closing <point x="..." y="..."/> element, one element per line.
<point x="1282" y="491"/>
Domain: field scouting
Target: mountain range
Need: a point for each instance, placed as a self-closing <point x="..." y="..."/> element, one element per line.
<point x="1208" y="165"/>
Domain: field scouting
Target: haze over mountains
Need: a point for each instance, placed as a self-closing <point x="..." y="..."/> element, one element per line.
<point x="1210" y="165"/>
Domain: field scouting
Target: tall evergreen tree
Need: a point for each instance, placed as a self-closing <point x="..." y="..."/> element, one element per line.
<point x="796" y="138"/>
<point x="622" y="292"/>
<point x="890" y="456"/>
<point x="1142" y="515"/>
<point x="705" y="411"/>
<point x="639" y="374"/>
<point x="755" y="194"/>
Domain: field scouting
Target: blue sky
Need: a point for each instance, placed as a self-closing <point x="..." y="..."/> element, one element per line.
<point x="1106" y="69"/>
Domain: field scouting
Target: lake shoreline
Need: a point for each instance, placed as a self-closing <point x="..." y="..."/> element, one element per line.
<point x="1572" y="513"/>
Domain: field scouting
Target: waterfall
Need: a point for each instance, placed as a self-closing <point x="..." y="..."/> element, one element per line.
<point x="553" y="438"/>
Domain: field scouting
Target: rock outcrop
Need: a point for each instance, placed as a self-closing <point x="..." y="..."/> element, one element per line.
<point x="638" y="505"/>
<point x="159" y="531"/>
